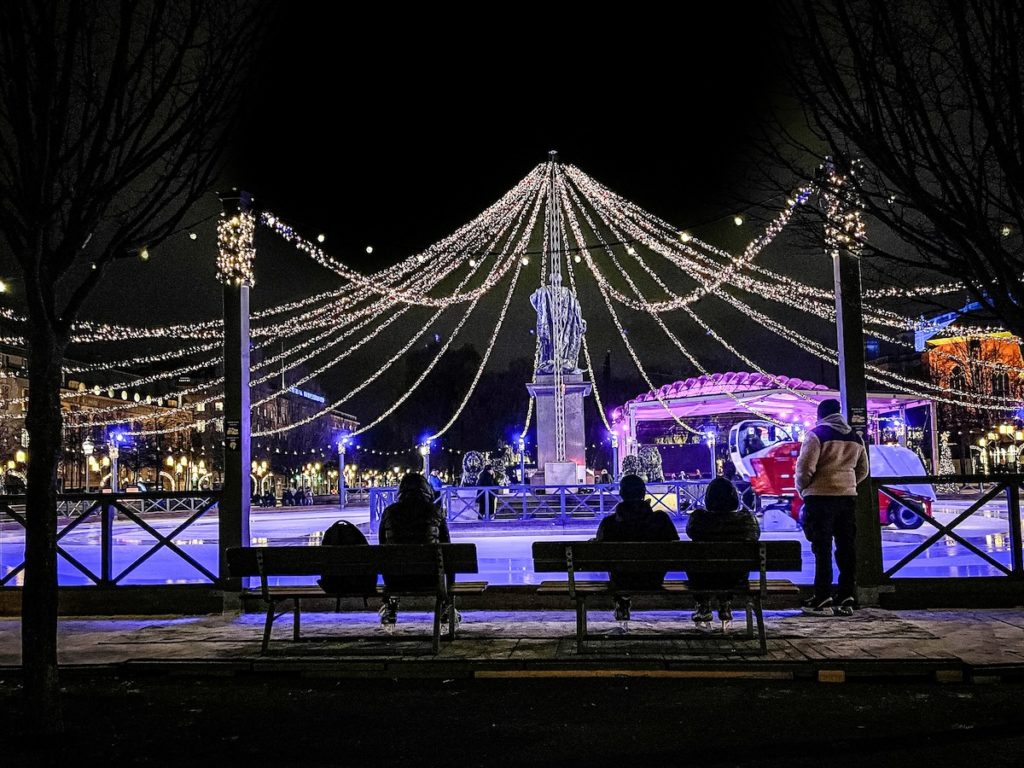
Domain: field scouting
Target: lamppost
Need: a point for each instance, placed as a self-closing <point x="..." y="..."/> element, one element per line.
<point x="113" y="453"/>
<point x="615" y="454"/>
<point x="424" y="450"/>
<point x="87" y="449"/>
<point x="522" y="460"/>
<point x="710" y="435"/>
<point x="341" y="472"/>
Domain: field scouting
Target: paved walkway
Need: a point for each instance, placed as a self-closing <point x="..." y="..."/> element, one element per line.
<point x="945" y="645"/>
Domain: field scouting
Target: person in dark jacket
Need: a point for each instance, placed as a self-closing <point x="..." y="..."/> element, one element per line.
<point x="723" y="518"/>
<point x="414" y="519"/>
<point x="485" y="480"/>
<point x="634" y="520"/>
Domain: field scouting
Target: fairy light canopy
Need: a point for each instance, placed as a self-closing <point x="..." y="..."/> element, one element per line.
<point x="651" y="279"/>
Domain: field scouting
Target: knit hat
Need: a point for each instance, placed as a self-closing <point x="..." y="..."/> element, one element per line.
<point x="828" y="408"/>
<point x="632" y="487"/>
<point x="415" y="485"/>
<point x="721" y="496"/>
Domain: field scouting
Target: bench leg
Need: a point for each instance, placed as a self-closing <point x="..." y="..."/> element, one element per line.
<point x="750" y="619"/>
<point x="267" y="626"/>
<point x="451" y="617"/>
<point x="295" y="622"/>
<point x="581" y="623"/>
<point x="762" y="639"/>
<point x="436" y="641"/>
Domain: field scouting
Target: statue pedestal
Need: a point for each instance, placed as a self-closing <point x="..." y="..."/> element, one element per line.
<point x="543" y="390"/>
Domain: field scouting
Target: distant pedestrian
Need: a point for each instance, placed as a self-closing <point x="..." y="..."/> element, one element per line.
<point x="833" y="461"/>
<point x="606" y="478"/>
<point x="435" y="480"/>
<point x="634" y="520"/>
<point x="723" y="518"/>
<point x="485" y="481"/>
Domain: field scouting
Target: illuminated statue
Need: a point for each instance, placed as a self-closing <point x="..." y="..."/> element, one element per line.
<point x="558" y="318"/>
<point x="650" y="462"/>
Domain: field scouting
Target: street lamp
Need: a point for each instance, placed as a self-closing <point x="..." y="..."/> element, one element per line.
<point x="424" y="450"/>
<point x="341" y="472"/>
<point x="87" y="449"/>
<point x="615" y="453"/>
<point x="522" y="460"/>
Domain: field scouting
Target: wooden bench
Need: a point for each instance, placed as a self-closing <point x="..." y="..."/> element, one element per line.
<point x="574" y="557"/>
<point x="441" y="561"/>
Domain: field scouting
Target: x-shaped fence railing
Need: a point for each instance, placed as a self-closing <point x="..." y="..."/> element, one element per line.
<point x="557" y="502"/>
<point x="79" y="509"/>
<point x="1008" y="484"/>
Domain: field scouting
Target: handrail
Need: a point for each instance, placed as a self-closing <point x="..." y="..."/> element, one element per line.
<point x="106" y="507"/>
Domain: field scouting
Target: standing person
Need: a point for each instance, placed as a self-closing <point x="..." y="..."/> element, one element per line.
<point x="485" y="480"/>
<point x="435" y="480"/>
<point x="414" y="519"/>
<point x="723" y="518"/>
<point x="634" y="520"/>
<point x="832" y="463"/>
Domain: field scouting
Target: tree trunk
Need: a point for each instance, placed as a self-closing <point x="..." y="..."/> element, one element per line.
<point x="39" y="599"/>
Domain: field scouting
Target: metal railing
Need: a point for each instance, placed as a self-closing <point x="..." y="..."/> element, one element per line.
<point x="558" y="503"/>
<point x="1008" y="485"/>
<point x="75" y="510"/>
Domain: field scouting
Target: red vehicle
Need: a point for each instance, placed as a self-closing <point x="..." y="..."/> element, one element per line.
<point x="765" y="455"/>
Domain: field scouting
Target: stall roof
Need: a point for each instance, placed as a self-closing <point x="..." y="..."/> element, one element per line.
<point x="781" y="397"/>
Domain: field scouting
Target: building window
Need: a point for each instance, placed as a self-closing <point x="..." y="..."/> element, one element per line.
<point x="1000" y="384"/>
<point x="957" y="380"/>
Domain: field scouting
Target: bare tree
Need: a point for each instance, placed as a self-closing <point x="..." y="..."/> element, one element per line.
<point x="930" y="95"/>
<point x="112" y="118"/>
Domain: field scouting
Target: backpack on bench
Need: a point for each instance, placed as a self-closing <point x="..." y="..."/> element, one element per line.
<point x="343" y="533"/>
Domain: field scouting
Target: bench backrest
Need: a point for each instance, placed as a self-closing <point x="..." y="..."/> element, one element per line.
<point x="397" y="559"/>
<point x="566" y="556"/>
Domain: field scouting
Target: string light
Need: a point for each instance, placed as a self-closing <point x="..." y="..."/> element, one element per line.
<point x="235" y="251"/>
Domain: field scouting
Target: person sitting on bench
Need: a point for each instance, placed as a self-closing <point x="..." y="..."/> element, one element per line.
<point x="414" y="519"/>
<point x="634" y="520"/>
<point x="723" y="518"/>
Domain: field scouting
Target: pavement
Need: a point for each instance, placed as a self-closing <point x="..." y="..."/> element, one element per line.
<point x="941" y="645"/>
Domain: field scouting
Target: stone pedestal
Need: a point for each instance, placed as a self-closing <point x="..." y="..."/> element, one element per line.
<point x="543" y="390"/>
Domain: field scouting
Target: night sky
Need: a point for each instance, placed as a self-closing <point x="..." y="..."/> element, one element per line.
<point x="392" y="129"/>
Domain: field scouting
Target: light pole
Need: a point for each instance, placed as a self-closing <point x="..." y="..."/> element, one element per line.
<point x="615" y="454"/>
<point x="522" y="460"/>
<point x="87" y="448"/>
<point x="424" y="450"/>
<point x="711" y="444"/>
<point x="341" y="472"/>
<point x="113" y="452"/>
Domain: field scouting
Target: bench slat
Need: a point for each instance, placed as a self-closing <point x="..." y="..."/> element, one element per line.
<point x="398" y="559"/>
<point x="550" y="556"/>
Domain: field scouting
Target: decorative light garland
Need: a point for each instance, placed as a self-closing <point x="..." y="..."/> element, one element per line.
<point x="235" y="251"/>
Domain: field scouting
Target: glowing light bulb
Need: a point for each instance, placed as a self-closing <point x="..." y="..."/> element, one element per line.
<point x="321" y="237"/>
<point x="685" y="237"/>
<point x="737" y="220"/>
<point x="369" y="249"/>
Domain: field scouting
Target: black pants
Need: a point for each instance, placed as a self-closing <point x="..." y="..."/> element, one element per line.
<point x="827" y="518"/>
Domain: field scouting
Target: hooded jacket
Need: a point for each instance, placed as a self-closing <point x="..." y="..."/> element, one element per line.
<point x="634" y="520"/>
<point x="414" y="518"/>
<point x="832" y="460"/>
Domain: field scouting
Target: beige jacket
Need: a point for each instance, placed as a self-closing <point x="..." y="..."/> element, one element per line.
<point x="833" y="460"/>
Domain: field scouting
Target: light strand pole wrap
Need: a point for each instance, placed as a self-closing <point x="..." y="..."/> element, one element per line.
<point x="235" y="271"/>
<point x="554" y="237"/>
<point x="844" y="230"/>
